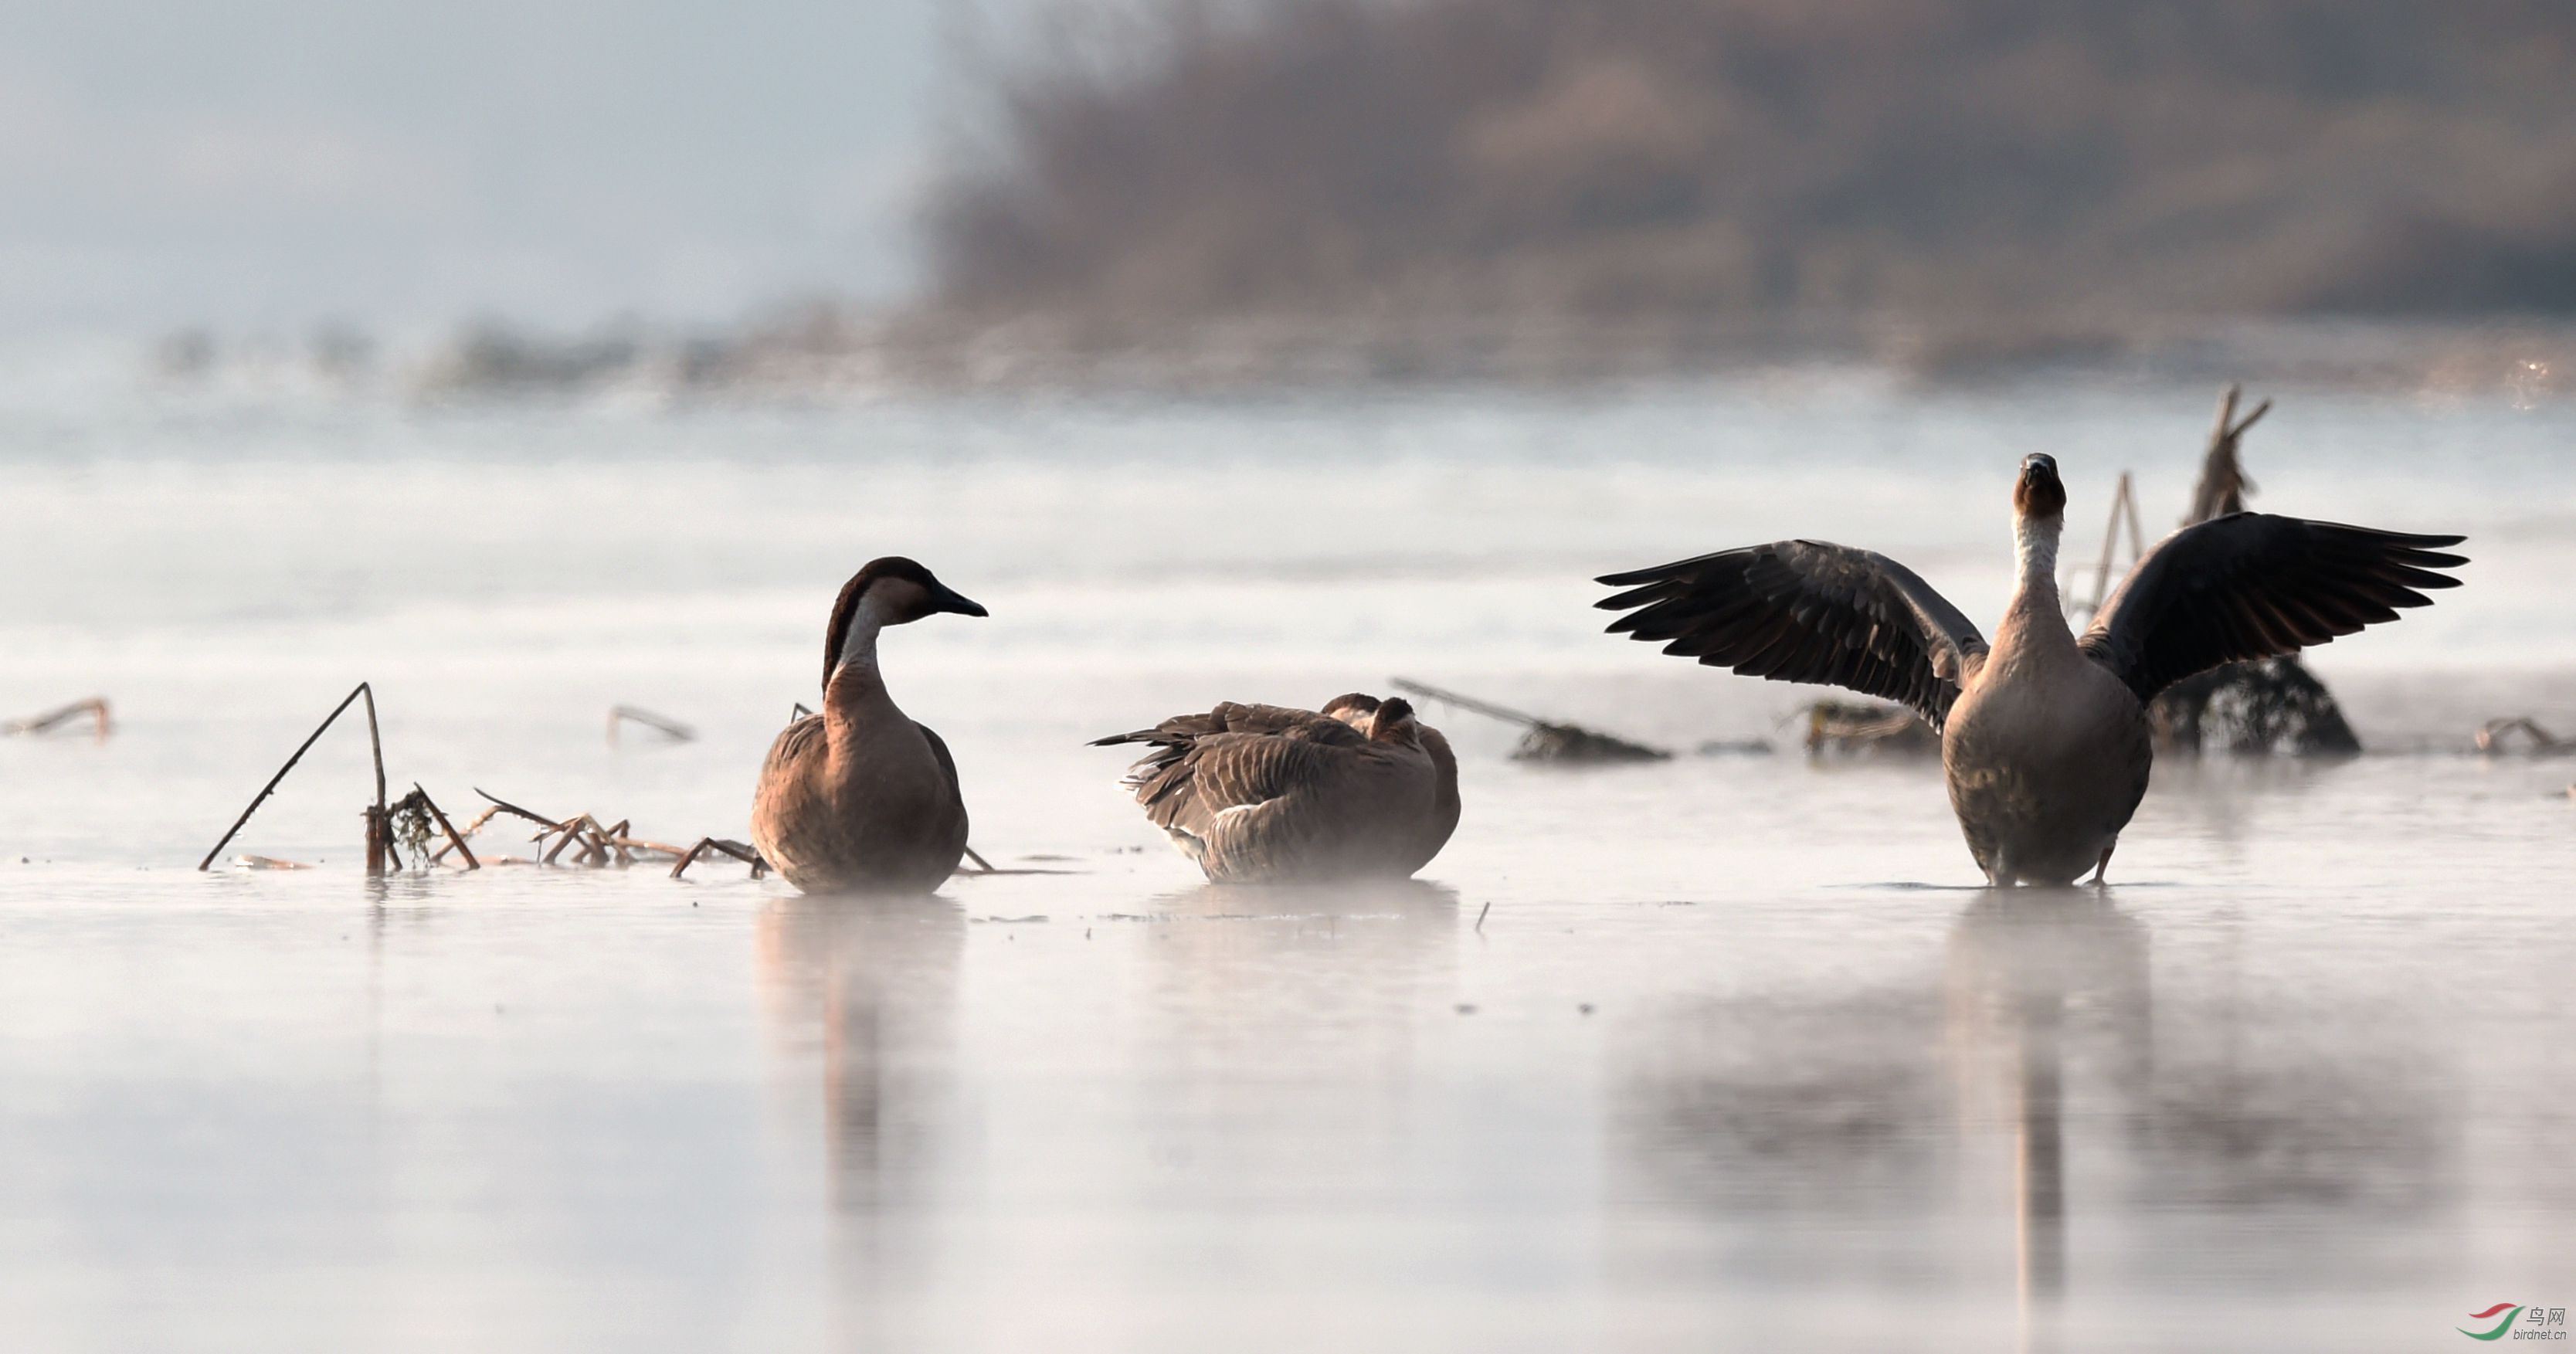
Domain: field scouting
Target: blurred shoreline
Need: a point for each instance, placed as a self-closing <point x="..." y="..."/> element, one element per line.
<point x="827" y="353"/>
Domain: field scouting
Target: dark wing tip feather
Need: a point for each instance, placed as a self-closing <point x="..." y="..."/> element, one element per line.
<point x="1659" y="573"/>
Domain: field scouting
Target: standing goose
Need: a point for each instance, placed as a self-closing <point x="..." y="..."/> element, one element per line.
<point x="860" y="796"/>
<point x="1266" y="793"/>
<point x="2043" y="735"/>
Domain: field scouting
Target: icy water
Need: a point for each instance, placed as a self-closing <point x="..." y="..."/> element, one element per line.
<point x="1723" y="1052"/>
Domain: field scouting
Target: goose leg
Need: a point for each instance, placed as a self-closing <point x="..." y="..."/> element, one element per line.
<point x="2103" y="866"/>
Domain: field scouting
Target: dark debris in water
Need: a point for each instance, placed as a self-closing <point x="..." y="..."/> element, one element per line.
<point x="2268" y="707"/>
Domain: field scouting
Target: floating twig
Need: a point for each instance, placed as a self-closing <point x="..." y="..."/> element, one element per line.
<point x="378" y="845"/>
<point x="669" y="728"/>
<point x="95" y="707"/>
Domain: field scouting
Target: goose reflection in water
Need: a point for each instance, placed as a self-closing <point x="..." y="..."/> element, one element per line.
<point x="871" y="986"/>
<point x="1840" y="1124"/>
<point x="1328" y="949"/>
<point x="2028" y="974"/>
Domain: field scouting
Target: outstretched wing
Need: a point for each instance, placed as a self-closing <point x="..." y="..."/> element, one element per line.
<point x="2254" y="585"/>
<point x="1805" y="611"/>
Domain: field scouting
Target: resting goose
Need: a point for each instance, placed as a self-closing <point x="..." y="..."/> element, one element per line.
<point x="1267" y="793"/>
<point x="860" y="796"/>
<point x="1355" y="709"/>
<point x="2043" y="734"/>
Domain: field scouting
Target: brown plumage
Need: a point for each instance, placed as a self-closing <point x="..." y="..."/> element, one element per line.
<point x="2044" y="740"/>
<point x="859" y="796"/>
<point x="1258" y="793"/>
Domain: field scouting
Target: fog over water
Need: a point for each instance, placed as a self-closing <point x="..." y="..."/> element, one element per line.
<point x="1720" y="1051"/>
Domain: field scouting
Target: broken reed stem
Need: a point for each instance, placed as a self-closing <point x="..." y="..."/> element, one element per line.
<point x="736" y="850"/>
<point x="669" y="728"/>
<point x="2137" y="529"/>
<point x="500" y="805"/>
<point x="599" y="845"/>
<point x="95" y="707"/>
<point x="980" y="863"/>
<point x="1483" y="707"/>
<point x="459" y="838"/>
<point x="2124" y="506"/>
<point x="2223" y="484"/>
<point x="375" y="819"/>
<point x="454" y="838"/>
<point x="570" y="829"/>
<point x="380" y="827"/>
<point x="2491" y="736"/>
<point x="625" y="843"/>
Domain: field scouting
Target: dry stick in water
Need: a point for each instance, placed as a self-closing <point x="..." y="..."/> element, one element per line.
<point x="570" y="829"/>
<point x="625" y="843"/>
<point x="2491" y="737"/>
<point x="470" y="829"/>
<point x="2124" y="511"/>
<point x="736" y="850"/>
<point x="669" y="728"/>
<point x="500" y="805"/>
<point x="375" y="816"/>
<point x="380" y="832"/>
<point x="95" y="707"/>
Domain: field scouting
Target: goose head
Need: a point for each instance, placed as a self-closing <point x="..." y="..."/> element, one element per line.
<point x="1353" y="708"/>
<point x="2037" y="492"/>
<point x="1393" y="722"/>
<point x="889" y="591"/>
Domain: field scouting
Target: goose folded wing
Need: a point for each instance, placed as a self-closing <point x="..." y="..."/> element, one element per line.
<point x="1231" y="771"/>
<point x="2255" y="585"/>
<point x="1231" y="717"/>
<point x="1805" y="611"/>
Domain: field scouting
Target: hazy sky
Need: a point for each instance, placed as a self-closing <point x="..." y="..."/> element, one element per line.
<point x="264" y="164"/>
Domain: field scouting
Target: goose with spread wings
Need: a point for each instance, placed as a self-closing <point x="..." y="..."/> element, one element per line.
<point x="2044" y="738"/>
<point x="1271" y="793"/>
